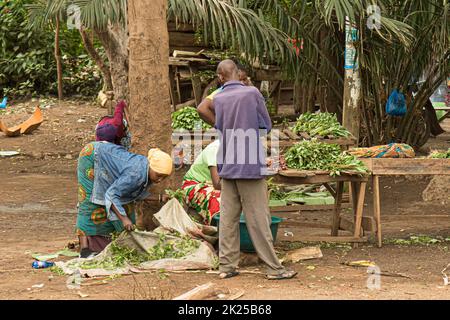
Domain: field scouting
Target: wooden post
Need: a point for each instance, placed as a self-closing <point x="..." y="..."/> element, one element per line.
<point x="376" y="207"/>
<point x="352" y="83"/>
<point x="359" y="209"/>
<point x="196" y="84"/>
<point x="173" y="88"/>
<point x="337" y="209"/>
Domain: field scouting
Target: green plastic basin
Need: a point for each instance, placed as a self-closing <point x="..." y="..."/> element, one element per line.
<point x="246" y="242"/>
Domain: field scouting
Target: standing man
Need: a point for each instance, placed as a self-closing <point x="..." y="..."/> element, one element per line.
<point x="237" y="113"/>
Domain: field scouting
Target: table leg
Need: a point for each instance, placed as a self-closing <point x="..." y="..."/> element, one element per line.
<point x="359" y="208"/>
<point x="376" y="207"/>
<point x="337" y="209"/>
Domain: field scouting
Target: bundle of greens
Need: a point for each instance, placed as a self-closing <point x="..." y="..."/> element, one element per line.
<point x="122" y="256"/>
<point x="314" y="155"/>
<point x="188" y="119"/>
<point x="441" y="155"/>
<point x="320" y="124"/>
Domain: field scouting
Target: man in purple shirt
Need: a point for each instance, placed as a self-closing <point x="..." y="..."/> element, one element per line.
<point x="238" y="113"/>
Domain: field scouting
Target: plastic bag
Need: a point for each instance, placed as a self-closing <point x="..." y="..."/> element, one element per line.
<point x="396" y="104"/>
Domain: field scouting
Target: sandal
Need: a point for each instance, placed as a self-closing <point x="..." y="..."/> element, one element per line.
<point x="226" y="275"/>
<point x="288" y="274"/>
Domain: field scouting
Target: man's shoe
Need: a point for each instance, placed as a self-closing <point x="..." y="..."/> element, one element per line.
<point x="287" y="274"/>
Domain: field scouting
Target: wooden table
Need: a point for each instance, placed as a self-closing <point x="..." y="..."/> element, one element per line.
<point x="393" y="167"/>
<point x="358" y="183"/>
<point x="446" y="115"/>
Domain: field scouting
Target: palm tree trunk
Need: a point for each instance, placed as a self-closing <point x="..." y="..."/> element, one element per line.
<point x="150" y="112"/>
<point x="58" y="61"/>
<point x="104" y="69"/>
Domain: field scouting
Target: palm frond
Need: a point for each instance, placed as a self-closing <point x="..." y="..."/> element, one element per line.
<point x="232" y="24"/>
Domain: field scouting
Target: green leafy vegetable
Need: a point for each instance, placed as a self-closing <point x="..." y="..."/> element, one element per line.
<point x="441" y="155"/>
<point x="122" y="256"/>
<point x="320" y="124"/>
<point x="188" y="118"/>
<point x="314" y="155"/>
<point x="177" y="194"/>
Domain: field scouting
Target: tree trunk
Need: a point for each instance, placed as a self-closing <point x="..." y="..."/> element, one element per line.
<point x="115" y="41"/>
<point x="104" y="69"/>
<point x="58" y="61"/>
<point x="150" y="113"/>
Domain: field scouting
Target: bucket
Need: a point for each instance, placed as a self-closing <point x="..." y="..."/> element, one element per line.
<point x="246" y="242"/>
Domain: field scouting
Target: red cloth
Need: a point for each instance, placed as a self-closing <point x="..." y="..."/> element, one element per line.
<point x="116" y="121"/>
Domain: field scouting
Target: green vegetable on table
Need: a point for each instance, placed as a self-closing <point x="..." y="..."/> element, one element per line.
<point x="320" y="124"/>
<point x="319" y="156"/>
<point x="188" y="118"/>
<point x="441" y="155"/>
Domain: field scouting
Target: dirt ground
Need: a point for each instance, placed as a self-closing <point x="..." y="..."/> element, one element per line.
<point x="38" y="214"/>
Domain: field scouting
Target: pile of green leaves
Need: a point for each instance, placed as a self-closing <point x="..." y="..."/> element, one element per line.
<point x="188" y="119"/>
<point x="177" y="194"/>
<point x="320" y="124"/>
<point x="122" y="256"/>
<point x="314" y="155"/>
<point x="441" y="155"/>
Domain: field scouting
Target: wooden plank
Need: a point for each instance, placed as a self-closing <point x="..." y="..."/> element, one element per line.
<point x="330" y="189"/>
<point x="176" y="62"/>
<point x="415" y="166"/>
<point x="303" y="207"/>
<point x="359" y="209"/>
<point x="345" y="224"/>
<point x="291" y="134"/>
<point x="196" y="84"/>
<point x="173" y="88"/>
<point x="290" y="223"/>
<point x="283" y="136"/>
<point x="341" y="239"/>
<point x="337" y="210"/>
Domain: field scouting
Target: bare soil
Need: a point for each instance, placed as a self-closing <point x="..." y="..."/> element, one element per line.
<point x="38" y="213"/>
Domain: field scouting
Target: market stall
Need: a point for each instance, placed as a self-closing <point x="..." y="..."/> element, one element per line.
<point x="396" y="167"/>
<point x="358" y="184"/>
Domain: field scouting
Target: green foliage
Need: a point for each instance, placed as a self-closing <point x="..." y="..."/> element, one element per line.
<point x="320" y="124"/>
<point x="177" y="194"/>
<point x="441" y="155"/>
<point x="314" y="155"/>
<point x="188" y="119"/>
<point x="27" y="63"/>
<point x="26" y="55"/>
<point x="419" y="240"/>
<point x="81" y="76"/>
<point x="164" y="249"/>
<point x="206" y="76"/>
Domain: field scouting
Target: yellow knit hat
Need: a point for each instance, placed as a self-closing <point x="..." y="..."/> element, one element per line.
<point x="159" y="161"/>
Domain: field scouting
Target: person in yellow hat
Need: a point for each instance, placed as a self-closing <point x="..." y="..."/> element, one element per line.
<point x="110" y="181"/>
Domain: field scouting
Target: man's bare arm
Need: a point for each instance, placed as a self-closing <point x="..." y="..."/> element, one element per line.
<point x="206" y="112"/>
